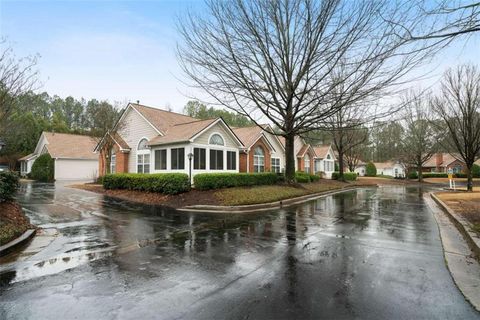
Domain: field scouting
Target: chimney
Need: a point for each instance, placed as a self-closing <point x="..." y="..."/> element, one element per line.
<point x="438" y="159"/>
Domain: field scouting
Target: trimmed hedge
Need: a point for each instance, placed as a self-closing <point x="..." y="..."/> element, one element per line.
<point x="370" y="170"/>
<point x="8" y="185"/>
<point x="412" y="175"/>
<point x="476" y="171"/>
<point x="207" y="181"/>
<point x="348" y="176"/>
<point x="167" y="183"/>
<point x="43" y="168"/>
<point x="303" y="177"/>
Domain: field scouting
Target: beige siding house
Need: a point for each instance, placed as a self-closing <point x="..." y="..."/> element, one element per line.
<point x="151" y="140"/>
<point x="73" y="155"/>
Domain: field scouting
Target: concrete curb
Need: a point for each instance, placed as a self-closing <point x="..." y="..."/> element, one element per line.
<point x="463" y="226"/>
<point x="270" y="205"/>
<point x="9" y="247"/>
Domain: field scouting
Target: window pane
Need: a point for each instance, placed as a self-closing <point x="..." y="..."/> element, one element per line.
<point x="199" y="158"/>
<point x="139" y="169"/>
<point x="213" y="156"/>
<point x="181" y="158"/>
<point x="219" y="160"/>
<point x="216" y="139"/>
<point x="139" y="159"/>
<point x="231" y="160"/>
<point x="174" y="154"/>
<point x="203" y="159"/>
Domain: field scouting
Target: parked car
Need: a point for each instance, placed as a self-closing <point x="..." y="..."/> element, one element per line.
<point x="4" y="167"/>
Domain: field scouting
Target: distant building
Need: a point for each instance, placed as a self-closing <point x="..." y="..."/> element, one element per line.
<point x="443" y="162"/>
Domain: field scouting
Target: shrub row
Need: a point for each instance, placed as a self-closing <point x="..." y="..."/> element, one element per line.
<point x="167" y="183"/>
<point x="303" y="177"/>
<point x="8" y="185"/>
<point x="207" y="181"/>
<point x="348" y="176"/>
<point x="370" y="170"/>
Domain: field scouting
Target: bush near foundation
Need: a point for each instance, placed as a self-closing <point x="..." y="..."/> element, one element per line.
<point x="43" y="168"/>
<point x="348" y="176"/>
<point x="166" y="183"/>
<point x="370" y="170"/>
<point x="8" y="185"/>
<point x="207" y="181"/>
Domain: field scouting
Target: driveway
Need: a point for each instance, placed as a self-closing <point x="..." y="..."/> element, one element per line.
<point x="366" y="254"/>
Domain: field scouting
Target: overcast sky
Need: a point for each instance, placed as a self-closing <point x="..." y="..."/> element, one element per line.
<point x="125" y="50"/>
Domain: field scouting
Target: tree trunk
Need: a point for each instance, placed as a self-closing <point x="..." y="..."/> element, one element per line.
<point x="340" y="165"/>
<point x="289" y="158"/>
<point x="419" y="172"/>
<point x="469" y="178"/>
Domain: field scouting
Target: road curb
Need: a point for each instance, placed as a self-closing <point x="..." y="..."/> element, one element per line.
<point x="462" y="225"/>
<point x="270" y="205"/>
<point x="10" y="246"/>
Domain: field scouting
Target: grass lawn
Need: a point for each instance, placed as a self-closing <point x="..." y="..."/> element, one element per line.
<point x="466" y="204"/>
<point x="265" y="194"/>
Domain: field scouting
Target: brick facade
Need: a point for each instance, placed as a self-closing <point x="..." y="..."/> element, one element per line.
<point x="249" y="157"/>
<point x="121" y="165"/>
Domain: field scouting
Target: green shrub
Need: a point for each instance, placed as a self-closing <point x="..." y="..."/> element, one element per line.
<point x="412" y="175"/>
<point x="476" y="171"/>
<point x="167" y="183"/>
<point x="43" y="168"/>
<point x="8" y="185"/>
<point x="348" y="176"/>
<point x="302" y="177"/>
<point x="314" y="178"/>
<point x="207" y="181"/>
<point x="370" y="170"/>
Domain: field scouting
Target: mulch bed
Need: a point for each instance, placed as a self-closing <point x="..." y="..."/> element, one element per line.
<point x="12" y="221"/>
<point x="176" y="201"/>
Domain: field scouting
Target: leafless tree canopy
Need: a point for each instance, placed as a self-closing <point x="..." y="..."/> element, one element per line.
<point x="458" y="105"/>
<point x="419" y="142"/>
<point x="274" y="59"/>
<point x="16" y="77"/>
<point x="447" y="19"/>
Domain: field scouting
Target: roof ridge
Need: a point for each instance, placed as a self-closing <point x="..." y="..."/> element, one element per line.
<point x="158" y="109"/>
<point x="197" y="120"/>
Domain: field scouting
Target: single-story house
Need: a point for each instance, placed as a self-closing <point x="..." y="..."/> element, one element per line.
<point x="73" y="156"/>
<point x="443" y="162"/>
<point x="151" y="140"/>
<point x="263" y="151"/>
<point x="325" y="160"/>
<point x="388" y="168"/>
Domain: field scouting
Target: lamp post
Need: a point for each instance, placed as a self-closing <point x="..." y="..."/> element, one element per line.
<point x="190" y="157"/>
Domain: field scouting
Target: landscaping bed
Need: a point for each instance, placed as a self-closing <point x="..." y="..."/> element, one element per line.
<point x="466" y="204"/>
<point x="13" y="223"/>
<point x="228" y="196"/>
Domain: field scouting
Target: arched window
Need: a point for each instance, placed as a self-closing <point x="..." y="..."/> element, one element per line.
<point x="143" y="157"/>
<point x="216" y="139"/>
<point x="328" y="156"/>
<point x="258" y="160"/>
<point x="307" y="163"/>
<point x="142" y="145"/>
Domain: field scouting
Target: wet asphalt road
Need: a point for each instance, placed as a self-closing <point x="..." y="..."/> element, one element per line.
<point x="364" y="254"/>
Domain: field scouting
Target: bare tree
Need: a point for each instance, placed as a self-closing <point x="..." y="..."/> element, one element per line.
<point x="17" y="76"/>
<point x="419" y="142"/>
<point x="273" y="59"/>
<point x="458" y="105"/>
<point x="447" y="19"/>
<point x="353" y="155"/>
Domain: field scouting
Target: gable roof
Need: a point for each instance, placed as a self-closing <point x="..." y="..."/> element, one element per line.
<point x="160" y="119"/>
<point x="71" y="146"/>
<point x="304" y="150"/>
<point x="28" y="157"/>
<point x="447" y="159"/>
<point x="248" y="135"/>
<point x="322" y="151"/>
<point x="182" y="132"/>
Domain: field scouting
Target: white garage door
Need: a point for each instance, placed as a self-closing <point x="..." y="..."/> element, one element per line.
<point x="76" y="169"/>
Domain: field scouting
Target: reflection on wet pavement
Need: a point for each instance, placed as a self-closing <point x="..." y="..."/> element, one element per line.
<point x="366" y="253"/>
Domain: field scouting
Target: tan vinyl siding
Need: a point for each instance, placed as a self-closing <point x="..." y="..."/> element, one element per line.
<point x="134" y="128"/>
<point x="217" y="128"/>
<point x="278" y="153"/>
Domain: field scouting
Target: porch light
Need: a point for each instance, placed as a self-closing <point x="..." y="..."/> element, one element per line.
<point x="190" y="157"/>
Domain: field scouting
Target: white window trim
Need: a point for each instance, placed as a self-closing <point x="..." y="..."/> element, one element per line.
<point x="279" y="164"/>
<point x="143" y="152"/>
